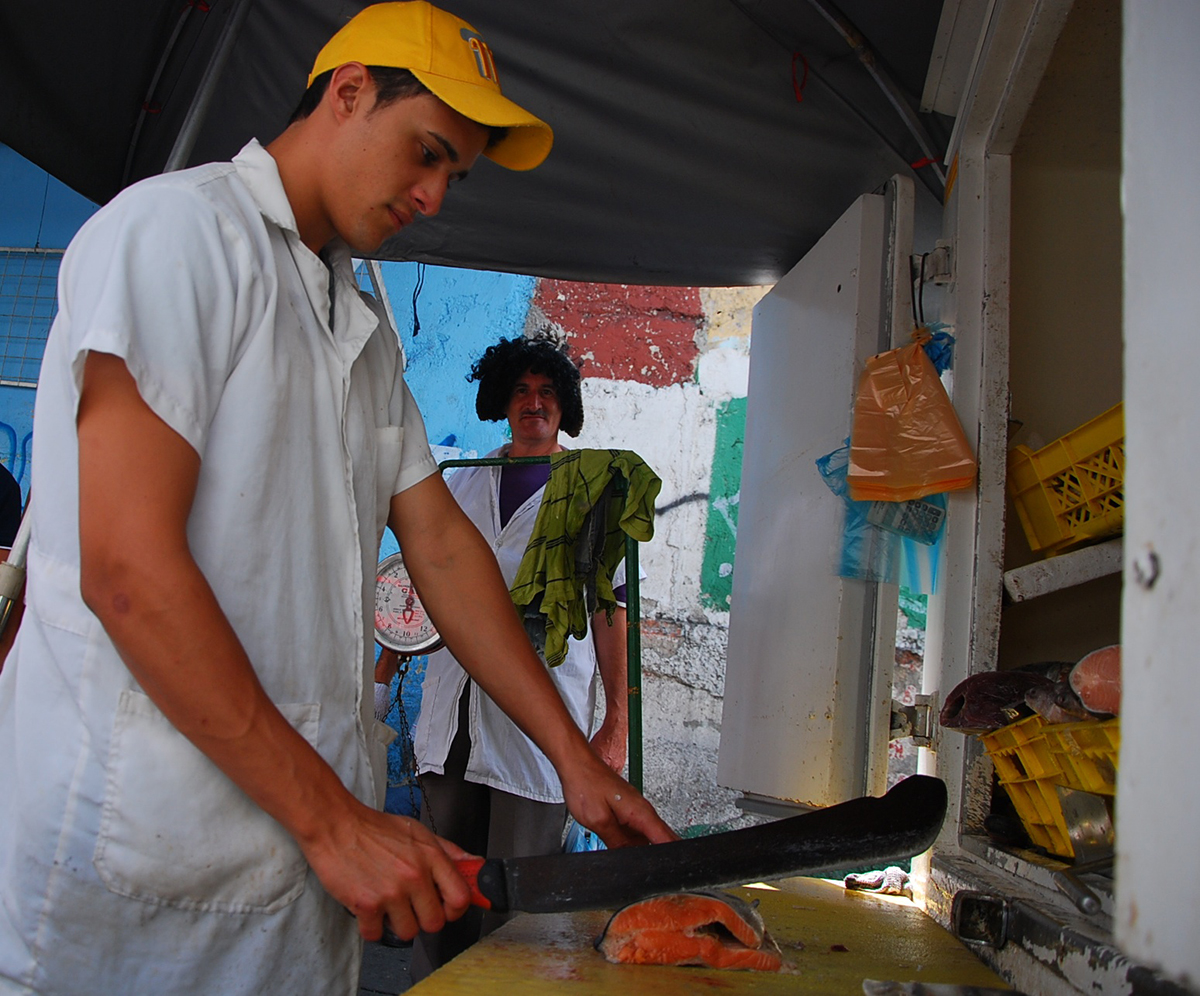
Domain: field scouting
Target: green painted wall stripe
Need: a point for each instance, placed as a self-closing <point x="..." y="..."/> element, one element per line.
<point x="716" y="572"/>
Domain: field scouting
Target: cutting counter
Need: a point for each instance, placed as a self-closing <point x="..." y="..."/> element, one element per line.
<point x="831" y="940"/>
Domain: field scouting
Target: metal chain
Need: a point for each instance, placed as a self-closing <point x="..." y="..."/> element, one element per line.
<point x="408" y="750"/>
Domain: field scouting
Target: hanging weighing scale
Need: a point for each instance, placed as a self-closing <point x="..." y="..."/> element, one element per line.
<point x="401" y="625"/>
<point x="401" y="622"/>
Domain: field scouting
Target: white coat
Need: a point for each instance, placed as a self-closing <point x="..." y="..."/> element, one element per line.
<point x="128" y="862"/>
<point x="502" y="757"/>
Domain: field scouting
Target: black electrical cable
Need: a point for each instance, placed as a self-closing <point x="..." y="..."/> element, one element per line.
<point x="913" y="290"/>
<point x="921" y="292"/>
<point x="416" y="294"/>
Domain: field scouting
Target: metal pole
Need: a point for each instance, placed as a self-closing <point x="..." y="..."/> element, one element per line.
<point x="168" y="49"/>
<point x="633" y="623"/>
<point x="190" y="131"/>
<point x="12" y="571"/>
<point x="891" y="90"/>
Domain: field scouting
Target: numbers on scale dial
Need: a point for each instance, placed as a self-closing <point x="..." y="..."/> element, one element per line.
<point x="398" y="610"/>
<point x="401" y="622"/>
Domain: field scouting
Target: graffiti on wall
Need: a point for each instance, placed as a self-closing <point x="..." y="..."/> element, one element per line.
<point x="16" y="455"/>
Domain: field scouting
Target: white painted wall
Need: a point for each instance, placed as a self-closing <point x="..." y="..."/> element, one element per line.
<point x="684" y="641"/>
<point x="1158" y="819"/>
<point x="673" y="429"/>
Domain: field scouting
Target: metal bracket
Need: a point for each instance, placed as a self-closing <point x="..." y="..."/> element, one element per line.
<point x="935" y="267"/>
<point x="916" y="720"/>
<point x="980" y="918"/>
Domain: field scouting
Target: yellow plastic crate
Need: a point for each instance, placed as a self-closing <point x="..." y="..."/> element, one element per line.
<point x="1019" y="751"/>
<point x="1032" y="758"/>
<point x="1086" y="754"/>
<point x="1030" y="775"/>
<point x="1073" y="489"/>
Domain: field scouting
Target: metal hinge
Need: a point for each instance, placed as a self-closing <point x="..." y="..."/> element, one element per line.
<point x="934" y="267"/>
<point x="916" y="720"/>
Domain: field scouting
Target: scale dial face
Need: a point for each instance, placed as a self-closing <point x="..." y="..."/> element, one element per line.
<point x="401" y="622"/>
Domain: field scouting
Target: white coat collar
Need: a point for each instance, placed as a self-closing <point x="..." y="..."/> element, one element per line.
<point x="260" y="173"/>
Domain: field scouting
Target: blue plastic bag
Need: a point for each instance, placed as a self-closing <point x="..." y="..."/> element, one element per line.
<point x="894" y="542"/>
<point x="580" y="838"/>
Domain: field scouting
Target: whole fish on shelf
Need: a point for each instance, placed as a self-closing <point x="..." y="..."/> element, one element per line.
<point x="1059" y="703"/>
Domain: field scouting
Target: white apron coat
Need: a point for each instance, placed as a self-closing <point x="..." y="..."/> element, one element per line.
<point x="129" y="863"/>
<point x="502" y="757"/>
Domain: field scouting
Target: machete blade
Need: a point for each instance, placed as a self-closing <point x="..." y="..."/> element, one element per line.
<point x="870" y="831"/>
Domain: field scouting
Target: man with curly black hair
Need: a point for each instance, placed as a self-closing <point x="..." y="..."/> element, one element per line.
<point x="486" y="785"/>
<point x="501" y="366"/>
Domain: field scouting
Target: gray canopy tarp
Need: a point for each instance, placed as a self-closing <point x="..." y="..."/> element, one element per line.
<point x="697" y="142"/>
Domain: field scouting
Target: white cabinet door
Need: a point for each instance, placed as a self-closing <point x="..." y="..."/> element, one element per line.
<point x="803" y="698"/>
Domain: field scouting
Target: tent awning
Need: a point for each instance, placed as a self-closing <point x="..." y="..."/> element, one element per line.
<point x="704" y="143"/>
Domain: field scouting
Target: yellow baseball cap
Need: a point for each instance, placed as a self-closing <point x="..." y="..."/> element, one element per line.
<point x="450" y="58"/>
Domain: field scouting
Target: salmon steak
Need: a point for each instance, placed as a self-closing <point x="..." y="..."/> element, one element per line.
<point x="1096" y="679"/>
<point x="711" y="929"/>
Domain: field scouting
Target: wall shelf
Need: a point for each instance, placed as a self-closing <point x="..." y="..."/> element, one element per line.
<point x="1064" y="571"/>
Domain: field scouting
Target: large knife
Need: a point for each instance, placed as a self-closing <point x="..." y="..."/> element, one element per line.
<point x="862" y="833"/>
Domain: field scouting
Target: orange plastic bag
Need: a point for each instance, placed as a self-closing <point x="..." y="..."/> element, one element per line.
<point x="906" y="441"/>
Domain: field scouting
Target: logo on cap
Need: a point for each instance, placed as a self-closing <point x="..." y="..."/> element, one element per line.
<point x="483" y="55"/>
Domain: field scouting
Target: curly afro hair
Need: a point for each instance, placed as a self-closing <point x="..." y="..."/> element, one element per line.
<point x="502" y="365"/>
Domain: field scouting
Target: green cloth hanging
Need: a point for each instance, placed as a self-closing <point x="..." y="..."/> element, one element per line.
<point x="566" y="572"/>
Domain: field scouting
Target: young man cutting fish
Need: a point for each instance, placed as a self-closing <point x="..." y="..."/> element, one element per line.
<point x="188" y="758"/>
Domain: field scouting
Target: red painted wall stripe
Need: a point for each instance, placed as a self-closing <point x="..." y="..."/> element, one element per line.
<point x="627" y="332"/>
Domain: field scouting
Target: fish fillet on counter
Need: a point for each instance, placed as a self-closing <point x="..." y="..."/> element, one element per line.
<point x="712" y="929"/>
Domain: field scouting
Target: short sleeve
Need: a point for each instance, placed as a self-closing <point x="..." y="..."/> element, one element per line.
<point x="416" y="458"/>
<point x="156" y="278"/>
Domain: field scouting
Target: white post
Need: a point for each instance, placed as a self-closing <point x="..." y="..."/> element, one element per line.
<point x="1158" y="812"/>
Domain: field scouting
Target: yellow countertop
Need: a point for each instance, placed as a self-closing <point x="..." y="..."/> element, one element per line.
<point x="831" y="940"/>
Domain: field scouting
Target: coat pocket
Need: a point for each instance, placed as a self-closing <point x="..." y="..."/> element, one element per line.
<point x="381" y="737"/>
<point x="176" y="831"/>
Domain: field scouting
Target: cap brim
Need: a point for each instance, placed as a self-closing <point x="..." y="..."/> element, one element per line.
<point x="529" y="138"/>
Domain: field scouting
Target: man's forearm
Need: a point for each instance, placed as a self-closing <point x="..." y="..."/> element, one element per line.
<point x="612" y="661"/>
<point x="172" y="635"/>
<point x="611" y="740"/>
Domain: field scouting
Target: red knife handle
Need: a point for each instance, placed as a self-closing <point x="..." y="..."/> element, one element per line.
<point x="485" y="878"/>
<point x="469" y="870"/>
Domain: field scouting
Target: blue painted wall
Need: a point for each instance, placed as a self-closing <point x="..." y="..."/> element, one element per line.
<point x="16" y="433"/>
<point x="461" y="313"/>
<point x="37" y="211"/>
